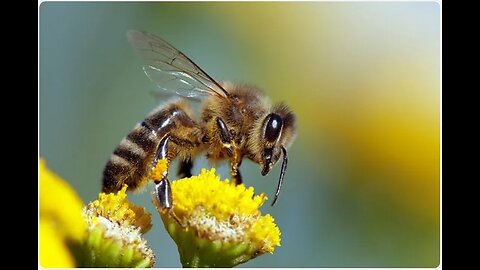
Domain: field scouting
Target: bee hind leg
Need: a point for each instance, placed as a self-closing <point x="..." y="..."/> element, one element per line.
<point x="163" y="188"/>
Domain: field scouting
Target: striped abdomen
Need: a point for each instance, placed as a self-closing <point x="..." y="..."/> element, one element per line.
<point x="131" y="161"/>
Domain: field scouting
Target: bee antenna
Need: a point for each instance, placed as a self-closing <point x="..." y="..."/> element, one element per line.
<point x="282" y="174"/>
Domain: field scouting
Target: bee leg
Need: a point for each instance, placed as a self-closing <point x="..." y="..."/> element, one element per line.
<point x="164" y="191"/>
<point x="164" y="195"/>
<point x="237" y="178"/>
<point x="226" y="138"/>
<point x="186" y="168"/>
<point x="224" y="133"/>
<point x="235" y="172"/>
<point x="163" y="186"/>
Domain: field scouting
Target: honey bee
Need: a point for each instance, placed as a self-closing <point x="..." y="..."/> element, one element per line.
<point x="234" y="122"/>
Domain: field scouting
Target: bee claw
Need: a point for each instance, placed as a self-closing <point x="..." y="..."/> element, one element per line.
<point x="175" y="217"/>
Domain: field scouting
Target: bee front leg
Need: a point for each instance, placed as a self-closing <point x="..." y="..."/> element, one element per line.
<point x="235" y="170"/>
<point x="229" y="145"/>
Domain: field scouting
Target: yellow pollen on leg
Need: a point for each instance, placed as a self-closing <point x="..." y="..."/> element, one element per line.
<point x="160" y="169"/>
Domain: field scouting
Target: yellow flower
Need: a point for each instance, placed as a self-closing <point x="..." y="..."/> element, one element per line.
<point x="58" y="225"/>
<point x="220" y="223"/>
<point x="116" y="208"/>
<point x="115" y="229"/>
<point x="105" y="233"/>
<point x="54" y="251"/>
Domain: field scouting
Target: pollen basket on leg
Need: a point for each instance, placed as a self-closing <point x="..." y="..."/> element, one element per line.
<point x="159" y="170"/>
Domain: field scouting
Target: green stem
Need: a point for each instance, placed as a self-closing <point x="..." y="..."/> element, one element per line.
<point x="196" y="251"/>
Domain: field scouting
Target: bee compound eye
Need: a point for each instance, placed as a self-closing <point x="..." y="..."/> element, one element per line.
<point x="273" y="127"/>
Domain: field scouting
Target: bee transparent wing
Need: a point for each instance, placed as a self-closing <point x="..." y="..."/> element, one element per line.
<point x="161" y="95"/>
<point x="170" y="69"/>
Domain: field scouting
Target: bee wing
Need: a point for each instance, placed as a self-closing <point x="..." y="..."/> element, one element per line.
<point x="161" y="95"/>
<point x="170" y="69"/>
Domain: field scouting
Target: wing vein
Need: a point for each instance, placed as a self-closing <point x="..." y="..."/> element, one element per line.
<point x="171" y="70"/>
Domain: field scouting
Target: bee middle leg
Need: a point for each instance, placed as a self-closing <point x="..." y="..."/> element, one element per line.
<point x="185" y="169"/>
<point x="235" y="171"/>
<point x="237" y="178"/>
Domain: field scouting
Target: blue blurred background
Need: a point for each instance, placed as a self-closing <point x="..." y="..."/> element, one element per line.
<point x="363" y="182"/>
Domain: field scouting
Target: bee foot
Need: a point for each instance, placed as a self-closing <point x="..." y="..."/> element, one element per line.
<point x="176" y="218"/>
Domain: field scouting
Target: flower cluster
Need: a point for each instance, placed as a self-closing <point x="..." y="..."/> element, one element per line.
<point x="115" y="229"/>
<point x="214" y="224"/>
<point x="105" y="233"/>
<point x="217" y="223"/>
<point x="58" y="225"/>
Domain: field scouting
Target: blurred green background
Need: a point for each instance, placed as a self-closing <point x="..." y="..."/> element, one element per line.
<point x="363" y="181"/>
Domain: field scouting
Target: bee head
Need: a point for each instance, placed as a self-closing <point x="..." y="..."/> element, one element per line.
<point x="278" y="132"/>
<point x="272" y="128"/>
